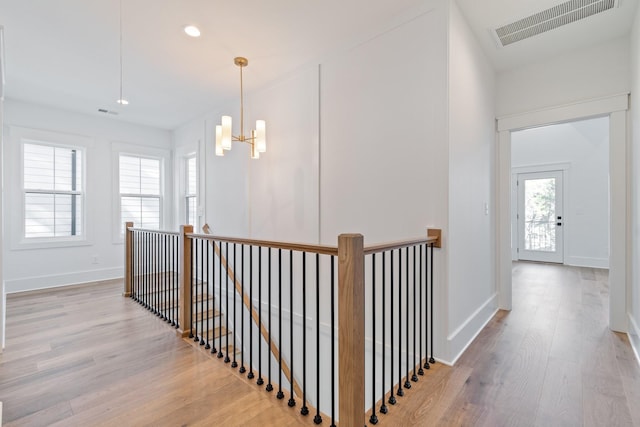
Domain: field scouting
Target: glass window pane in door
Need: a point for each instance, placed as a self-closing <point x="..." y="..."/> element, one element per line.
<point x="540" y="214"/>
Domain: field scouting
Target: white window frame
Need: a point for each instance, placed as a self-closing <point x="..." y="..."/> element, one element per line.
<point x="15" y="193"/>
<point x="55" y="192"/>
<point x="186" y="195"/>
<point x="119" y="148"/>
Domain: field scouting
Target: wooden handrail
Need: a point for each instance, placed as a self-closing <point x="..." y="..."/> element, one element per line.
<point x="151" y="230"/>
<point x="254" y="315"/>
<point x="301" y="247"/>
<point x="433" y="236"/>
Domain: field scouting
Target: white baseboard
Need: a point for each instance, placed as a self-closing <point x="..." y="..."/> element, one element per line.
<point x="461" y="338"/>
<point x="53" y="281"/>
<point x="634" y="337"/>
<point x="580" y="261"/>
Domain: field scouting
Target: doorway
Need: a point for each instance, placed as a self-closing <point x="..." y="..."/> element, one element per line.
<point x="615" y="107"/>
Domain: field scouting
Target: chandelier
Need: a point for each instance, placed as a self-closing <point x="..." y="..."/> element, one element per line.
<point x="256" y="139"/>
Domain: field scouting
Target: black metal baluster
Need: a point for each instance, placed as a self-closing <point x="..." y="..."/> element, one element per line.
<point x="242" y="369"/>
<point x="149" y="277"/>
<point x="392" y="398"/>
<point x="414" y="378"/>
<point x="269" y="385"/>
<point x="138" y="265"/>
<point x="407" y="383"/>
<point x="426" y="309"/>
<point x="149" y="274"/>
<point x="165" y="313"/>
<point x="220" y="354"/>
<point x="259" y="381"/>
<point x="163" y="281"/>
<point x="135" y="265"/>
<point x="431" y="359"/>
<point x="292" y="401"/>
<point x="226" y="314"/>
<point x="176" y="300"/>
<point x="191" y="284"/>
<point x="333" y="344"/>
<point x="198" y="334"/>
<point x="156" y="293"/>
<point x="147" y="256"/>
<point x="250" y="374"/>
<point x="383" y="406"/>
<point x="304" y="410"/>
<point x="209" y="315"/>
<point x="373" y="419"/>
<point x="400" y="391"/>
<point x="212" y="243"/>
<point x="154" y="275"/>
<point x="202" y="294"/>
<point x="280" y="394"/>
<point x="420" y="370"/>
<point x="159" y="280"/>
<point x="318" y="418"/>
<point x="234" y="364"/>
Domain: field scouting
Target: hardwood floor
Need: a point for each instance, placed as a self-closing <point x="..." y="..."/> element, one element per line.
<point x="552" y="361"/>
<point x="86" y="356"/>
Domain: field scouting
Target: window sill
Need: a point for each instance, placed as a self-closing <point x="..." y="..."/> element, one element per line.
<point x="29" y="244"/>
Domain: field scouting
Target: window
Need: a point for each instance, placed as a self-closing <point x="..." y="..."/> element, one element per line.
<point x="53" y="191"/>
<point x="140" y="191"/>
<point x="191" y="200"/>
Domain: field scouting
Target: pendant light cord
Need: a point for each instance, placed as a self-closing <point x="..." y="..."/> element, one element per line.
<point x="121" y="100"/>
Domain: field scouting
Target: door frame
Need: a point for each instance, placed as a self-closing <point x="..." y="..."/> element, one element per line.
<point x="550" y="167"/>
<point x="615" y="107"/>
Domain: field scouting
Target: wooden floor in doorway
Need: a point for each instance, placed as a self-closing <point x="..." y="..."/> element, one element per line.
<point x="552" y="361"/>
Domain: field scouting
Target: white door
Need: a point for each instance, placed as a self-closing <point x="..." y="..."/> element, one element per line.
<point x="540" y="218"/>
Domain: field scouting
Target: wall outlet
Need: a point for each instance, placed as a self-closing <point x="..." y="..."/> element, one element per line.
<point x="94" y="259"/>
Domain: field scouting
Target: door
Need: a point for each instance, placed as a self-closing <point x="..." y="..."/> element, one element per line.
<point x="540" y="218"/>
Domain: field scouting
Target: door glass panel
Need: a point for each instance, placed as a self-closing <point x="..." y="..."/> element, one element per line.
<point x="540" y="214"/>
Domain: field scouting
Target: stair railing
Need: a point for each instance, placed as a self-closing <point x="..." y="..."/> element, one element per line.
<point x="334" y="319"/>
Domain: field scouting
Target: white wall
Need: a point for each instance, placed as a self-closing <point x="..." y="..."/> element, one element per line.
<point x="2" y="284"/>
<point x="383" y="135"/>
<point x="593" y="72"/>
<point x="633" y="294"/>
<point x="584" y="145"/>
<point x="284" y="182"/>
<point x="471" y="287"/>
<point x="27" y="269"/>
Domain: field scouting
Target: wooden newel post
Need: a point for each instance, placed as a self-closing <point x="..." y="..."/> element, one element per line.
<point x="184" y="281"/>
<point x="128" y="258"/>
<point x="351" y="329"/>
<point x="437" y="233"/>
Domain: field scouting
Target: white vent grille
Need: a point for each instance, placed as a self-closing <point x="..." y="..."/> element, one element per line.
<point x="550" y="19"/>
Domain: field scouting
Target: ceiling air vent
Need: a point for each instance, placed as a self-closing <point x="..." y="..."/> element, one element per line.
<point x="550" y="19"/>
<point x="105" y="111"/>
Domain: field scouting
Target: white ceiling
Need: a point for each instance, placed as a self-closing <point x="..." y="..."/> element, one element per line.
<point x="65" y="53"/>
<point x="484" y="15"/>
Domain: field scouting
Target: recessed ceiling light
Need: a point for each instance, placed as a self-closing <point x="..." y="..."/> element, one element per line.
<point x="192" y="31"/>
<point x="122" y="102"/>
